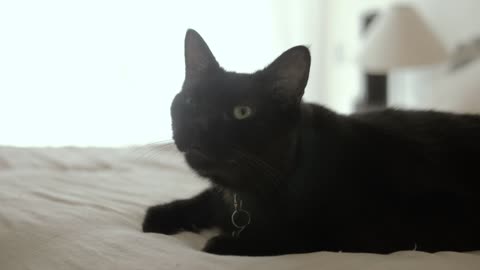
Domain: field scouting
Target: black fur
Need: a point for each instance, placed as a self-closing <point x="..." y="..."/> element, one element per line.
<point x="314" y="180"/>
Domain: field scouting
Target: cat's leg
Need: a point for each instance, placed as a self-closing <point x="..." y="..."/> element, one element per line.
<point x="203" y="211"/>
<point x="263" y="244"/>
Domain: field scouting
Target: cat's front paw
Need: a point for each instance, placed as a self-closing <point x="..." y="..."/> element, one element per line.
<point x="242" y="246"/>
<point x="162" y="219"/>
<point x="222" y="245"/>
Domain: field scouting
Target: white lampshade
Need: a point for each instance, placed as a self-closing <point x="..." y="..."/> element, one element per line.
<point x="400" y="38"/>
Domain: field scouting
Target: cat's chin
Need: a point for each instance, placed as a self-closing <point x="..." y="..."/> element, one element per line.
<point x="217" y="177"/>
<point x="213" y="168"/>
<point x="198" y="160"/>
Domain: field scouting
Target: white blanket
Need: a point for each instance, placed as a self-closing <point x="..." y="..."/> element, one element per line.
<point x="82" y="208"/>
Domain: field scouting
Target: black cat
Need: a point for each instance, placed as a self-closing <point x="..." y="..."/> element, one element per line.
<point x="298" y="177"/>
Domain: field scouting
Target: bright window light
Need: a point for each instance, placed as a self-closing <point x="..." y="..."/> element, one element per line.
<point x="103" y="73"/>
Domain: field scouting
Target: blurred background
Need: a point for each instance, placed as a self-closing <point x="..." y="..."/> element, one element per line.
<point x="103" y="72"/>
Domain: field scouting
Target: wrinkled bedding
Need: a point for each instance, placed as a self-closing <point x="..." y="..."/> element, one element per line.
<point x="82" y="208"/>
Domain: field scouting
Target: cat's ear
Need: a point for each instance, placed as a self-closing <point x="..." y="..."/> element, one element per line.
<point x="198" y="57"/>
<point x="288" y="74"/>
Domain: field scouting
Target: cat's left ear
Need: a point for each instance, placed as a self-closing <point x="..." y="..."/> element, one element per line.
<point x="288" y="74"/>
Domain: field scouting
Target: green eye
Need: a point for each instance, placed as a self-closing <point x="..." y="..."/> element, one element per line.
<point x="242" y="112"/>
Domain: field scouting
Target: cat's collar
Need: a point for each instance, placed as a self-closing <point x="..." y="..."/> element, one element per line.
<point x="240" y="217"/>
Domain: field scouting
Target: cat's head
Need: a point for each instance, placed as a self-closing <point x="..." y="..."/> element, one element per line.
<point x="228" y="123"/>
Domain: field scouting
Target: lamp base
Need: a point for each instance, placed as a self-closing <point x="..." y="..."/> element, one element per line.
<point x="375" y="96"/>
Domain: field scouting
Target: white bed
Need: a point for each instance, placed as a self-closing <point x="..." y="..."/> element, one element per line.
<point x="82" y="208"/>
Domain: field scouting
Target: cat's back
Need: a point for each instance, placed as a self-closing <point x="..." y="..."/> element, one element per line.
<point x="426" y="126"/>
<point x="417" y="126"/>
<point x="442" y="147"/>
<point x="434" y="146"/>
<point x="402" y="176"/>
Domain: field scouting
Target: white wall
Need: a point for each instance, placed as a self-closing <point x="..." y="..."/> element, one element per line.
<point x="302" y="22"/>
<point x="103" y="72"/>
<point x="453" y="21"/>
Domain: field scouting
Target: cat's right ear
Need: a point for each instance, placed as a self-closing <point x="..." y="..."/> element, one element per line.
<point x="198" y="57"/>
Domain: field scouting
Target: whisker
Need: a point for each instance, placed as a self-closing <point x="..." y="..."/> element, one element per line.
<point x="161" y="142"/>
<point x="259" y="162"/>
<point x="264" y="189"/>
<point x="253" y="162"/>
<point x="153" y="144"/>
<point x="152" y="150"/>
<point x="165" y="146"/>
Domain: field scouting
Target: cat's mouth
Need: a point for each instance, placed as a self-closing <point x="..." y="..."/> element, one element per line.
<point x="198" y="159"/>
<point x="205" y="163"/>
<point x="197" y="154"/>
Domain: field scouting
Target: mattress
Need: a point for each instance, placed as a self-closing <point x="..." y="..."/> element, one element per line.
<point x="82" y="208"/>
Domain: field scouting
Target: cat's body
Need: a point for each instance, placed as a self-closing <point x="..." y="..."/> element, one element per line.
<point x="315" y="180"/>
